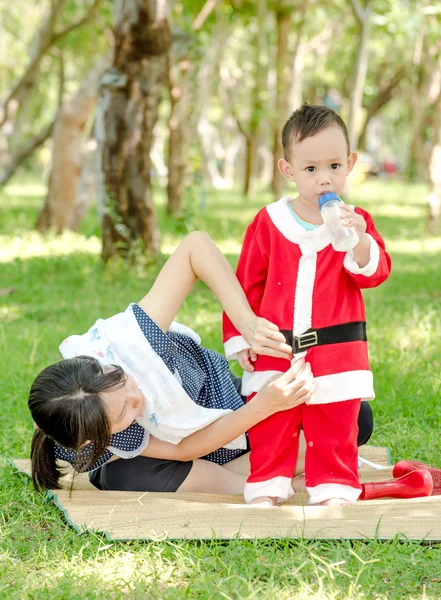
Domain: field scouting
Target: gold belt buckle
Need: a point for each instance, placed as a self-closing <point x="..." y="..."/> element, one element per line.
<point x="306" y="340"/>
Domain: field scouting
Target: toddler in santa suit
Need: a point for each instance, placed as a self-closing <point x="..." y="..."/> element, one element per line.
<point x="293" y="277"/>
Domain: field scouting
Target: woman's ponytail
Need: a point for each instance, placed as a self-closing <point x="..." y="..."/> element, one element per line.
<point x="45" y="473"/>
<point x="66" y="405"/>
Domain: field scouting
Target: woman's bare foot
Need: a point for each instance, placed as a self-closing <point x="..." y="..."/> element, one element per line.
<point x="264" y="501"/>
<point x="335" y="502"/>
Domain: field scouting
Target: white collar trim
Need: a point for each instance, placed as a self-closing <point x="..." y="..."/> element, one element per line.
<point x="284" y="221"/>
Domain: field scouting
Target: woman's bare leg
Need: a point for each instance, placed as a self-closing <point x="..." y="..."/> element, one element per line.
<point x="206" y="477"/>
<point x="209" y="478"/>
<point x="197" y="257"/>
<point x="240" y="465"/>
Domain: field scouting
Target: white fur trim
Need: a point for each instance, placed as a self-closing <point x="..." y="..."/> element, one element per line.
<point x="343" y="386"/>
<point x="281" y="487"/>
<point x="233" y="346"/>
<point x="131" y="453"/>
<point x="281" y="216"/>
<point x="368" y="270"/>
<point x="303" y="295"/>
<point x="253" y="382"/>
<point x="326" y="491"/>
<point x="309" y="242"/>
<point x="337" y="387"/>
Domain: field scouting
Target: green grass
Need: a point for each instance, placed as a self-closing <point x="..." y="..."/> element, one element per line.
<point x="61" y="287"/>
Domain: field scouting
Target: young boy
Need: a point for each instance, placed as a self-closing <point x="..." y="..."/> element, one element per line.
<point x="293" y="277"/>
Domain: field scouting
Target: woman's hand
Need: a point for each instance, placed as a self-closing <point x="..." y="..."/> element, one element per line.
<point x="264" y="337"/>
<point x="281" y="393"/>
<point x="294" y="387"/>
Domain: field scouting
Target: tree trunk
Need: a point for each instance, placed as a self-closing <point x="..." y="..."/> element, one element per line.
<point x="295" y="92"/>
<point x="252" y="135"/>
<point x="284" y="75"/>
<point x="434" y="198"/>
<point x="363" y="16"/>
<point x="289" y="63"/>
<point x="87" y="185"/>
<point x="417" y="164"/>
<point x="210" y="172"/>
<point x="179" y="134"/>
<point x="59" y="208"/>
<point x="129" y="97"/>
<point x="297" y="77"/>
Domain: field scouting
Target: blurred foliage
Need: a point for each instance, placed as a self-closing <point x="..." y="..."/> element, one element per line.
<point x="222" y="44"/>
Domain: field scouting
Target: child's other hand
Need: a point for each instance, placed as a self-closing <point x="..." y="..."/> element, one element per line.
<point x="245" y="357"/>
<point x="352" y="219"/>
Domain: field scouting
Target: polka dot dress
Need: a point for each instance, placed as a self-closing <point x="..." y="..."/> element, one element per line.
<point x="203" y="374"/>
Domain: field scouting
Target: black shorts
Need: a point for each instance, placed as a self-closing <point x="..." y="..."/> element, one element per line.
<point x="142" y="474"/>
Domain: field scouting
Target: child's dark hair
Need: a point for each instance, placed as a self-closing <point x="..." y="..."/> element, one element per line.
<point x="67" y="408"/>
<point x="308" y="120"/>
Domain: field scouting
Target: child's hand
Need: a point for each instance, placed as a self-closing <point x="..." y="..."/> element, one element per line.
<point x="352" y="219"/>
<point x="245" y="357"/>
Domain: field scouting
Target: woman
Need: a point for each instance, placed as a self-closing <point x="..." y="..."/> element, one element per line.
<point x="85" y="409"/>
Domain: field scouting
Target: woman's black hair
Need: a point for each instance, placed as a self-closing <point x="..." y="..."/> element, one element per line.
<point x="67" y="408"/>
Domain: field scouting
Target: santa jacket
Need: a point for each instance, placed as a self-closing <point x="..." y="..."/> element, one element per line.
<point x="295" y="279"/>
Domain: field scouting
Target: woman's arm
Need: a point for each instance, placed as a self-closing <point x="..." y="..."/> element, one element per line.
<point x="198" y="257"/>
<point x="281" y="393"/>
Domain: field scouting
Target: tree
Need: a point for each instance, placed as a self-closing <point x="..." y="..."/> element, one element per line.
<point x="60" y="208"/>
<point x="250" y="131"/>
<point x="284" y="19"/>
<point x="178" y="83"/>
<point x="53" y="30"/>
<point x="434" y="197"/>
<point x="129" y="97"/>
<point x="363" y="17"/>
<point x="285" y="67"/>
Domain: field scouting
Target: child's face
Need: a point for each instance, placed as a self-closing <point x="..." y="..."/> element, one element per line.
<point x="319" y="164"/>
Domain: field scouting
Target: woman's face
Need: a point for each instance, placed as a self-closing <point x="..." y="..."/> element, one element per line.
<point x="123" y="404"/>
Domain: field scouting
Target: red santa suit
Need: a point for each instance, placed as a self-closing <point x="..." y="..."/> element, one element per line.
<point x="295" y="279"/>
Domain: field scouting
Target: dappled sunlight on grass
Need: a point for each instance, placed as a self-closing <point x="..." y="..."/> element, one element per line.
<point x="419" y="331"/>
<point x="25" y="189"/>
<point x="10" y="313"/>
<point x="383" y="193"/>
<point x="227" y="246"/>
<point x="126" y="569"/>
<point x="32" y="244"/>
<point x="425" y="246"/>
<point x="403" y="211"/>
<point x="179" y="570"/>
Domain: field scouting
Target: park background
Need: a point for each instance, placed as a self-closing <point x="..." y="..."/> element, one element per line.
<point x="124" y="125"/>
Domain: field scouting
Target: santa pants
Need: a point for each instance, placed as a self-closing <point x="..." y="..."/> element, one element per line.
<point x="331" y="461"/>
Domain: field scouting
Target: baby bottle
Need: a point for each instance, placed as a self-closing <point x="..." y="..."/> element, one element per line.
<point x="342" y="238"/>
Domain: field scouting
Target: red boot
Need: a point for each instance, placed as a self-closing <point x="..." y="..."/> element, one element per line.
<point x="407" y="466"/>
<point x="413" y="485"/>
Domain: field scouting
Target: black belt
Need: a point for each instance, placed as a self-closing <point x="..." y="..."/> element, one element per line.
<point x="337" y="334"/>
